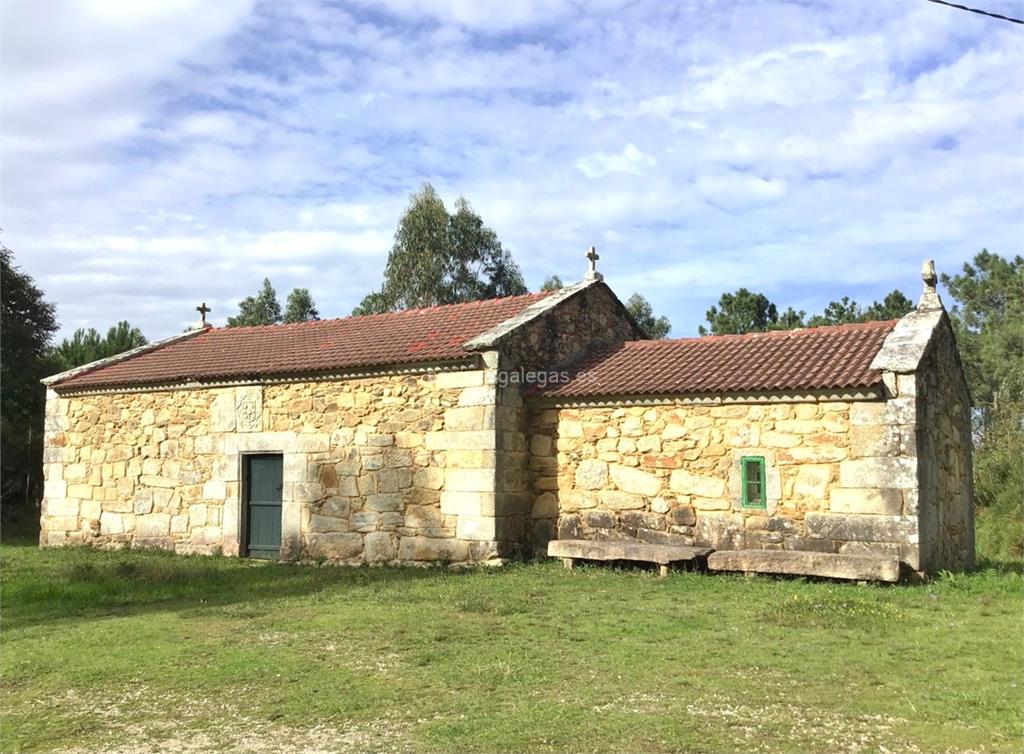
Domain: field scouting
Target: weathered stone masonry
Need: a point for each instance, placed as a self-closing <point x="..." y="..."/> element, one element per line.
<point x="884" y="470"/>
<point x="551" y="341"/>
<point x="944" y="442"/>
<point x="428" y="466"/>
<point x="368" y="464"/>
<point x="670" y="474"/>
<point x="452" y="461"/>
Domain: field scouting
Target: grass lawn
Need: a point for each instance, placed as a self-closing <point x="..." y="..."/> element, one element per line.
<point x="143" y="651"/>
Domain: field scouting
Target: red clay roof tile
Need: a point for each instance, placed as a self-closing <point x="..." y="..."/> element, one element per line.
<point x="415" y="335"/>
<point x="808" y="359"/>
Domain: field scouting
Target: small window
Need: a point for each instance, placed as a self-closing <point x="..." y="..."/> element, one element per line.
<point x="753" y="482"/>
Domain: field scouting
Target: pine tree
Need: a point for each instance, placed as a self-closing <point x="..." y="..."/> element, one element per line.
<point x="27" y="323"/>
<point x="300" y="307"/>
<point x="261" y="309"/>
<point x="442" y="258"/>
<point x="643" y="314"/>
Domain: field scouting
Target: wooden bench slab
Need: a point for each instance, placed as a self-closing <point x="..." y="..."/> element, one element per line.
<point x="829" y="565"/>
<point x="585" y="549"/>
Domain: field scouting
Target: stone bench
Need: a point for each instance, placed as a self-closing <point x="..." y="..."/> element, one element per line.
<point x="571" y="550"/>
<point x="828" y="565"/>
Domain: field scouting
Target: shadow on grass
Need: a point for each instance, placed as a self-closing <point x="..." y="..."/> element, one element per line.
<point x="43" y="586"/>
<point x="1000" y="565"/>
<point x="20" y="529"/>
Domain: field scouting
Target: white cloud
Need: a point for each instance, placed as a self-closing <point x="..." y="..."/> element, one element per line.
<point x="65" y="60"/>
<point x="629" y="160"/>
<point x="739" y="189"/>
<point x="490" y="16"/>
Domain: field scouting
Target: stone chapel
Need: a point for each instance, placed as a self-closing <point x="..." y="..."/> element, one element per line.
<point x="478" y="432"/>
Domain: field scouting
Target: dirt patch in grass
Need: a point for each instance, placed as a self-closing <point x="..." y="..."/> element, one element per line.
<point x="793" y="724"/>
<point x="137" y="722"/>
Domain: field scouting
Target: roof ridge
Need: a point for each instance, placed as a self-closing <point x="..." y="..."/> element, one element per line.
<point x="396" y="313"/>
<point x="869" y="325"/>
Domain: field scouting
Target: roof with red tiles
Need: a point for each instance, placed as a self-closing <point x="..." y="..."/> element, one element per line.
<point x="808" y="359"/>
<point x="396" y="338"/>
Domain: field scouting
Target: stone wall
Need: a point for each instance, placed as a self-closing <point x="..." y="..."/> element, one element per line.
<point x="555" y="339"/>
<point x="376" y="469"/>
<point x="391" y="468"/>
<point x="590" y="318"/>
<point x="946" y="506"/>
<point x="838" y="475"/>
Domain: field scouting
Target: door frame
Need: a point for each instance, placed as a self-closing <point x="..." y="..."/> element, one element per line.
<point x="243" y="519"/>
<point x="228" y="468"/>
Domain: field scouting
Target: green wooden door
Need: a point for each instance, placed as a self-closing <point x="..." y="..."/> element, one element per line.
<point x="263" y="505"/>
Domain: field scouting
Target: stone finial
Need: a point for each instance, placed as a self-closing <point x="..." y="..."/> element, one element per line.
<point x="592" y="257"/>
<point x="203" y="310"/>
<point x="930" y="296"/>
<point x="928" y="273"/>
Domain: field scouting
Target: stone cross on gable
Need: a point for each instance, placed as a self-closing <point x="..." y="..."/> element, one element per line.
<point x="203" y="310"/>
<point x="592" y="257"/>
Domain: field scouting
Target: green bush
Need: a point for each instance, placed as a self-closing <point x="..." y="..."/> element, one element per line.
<point x="999" y="485"/>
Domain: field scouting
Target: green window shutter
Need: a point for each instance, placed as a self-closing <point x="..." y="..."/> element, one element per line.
<point x="754" y="490"/>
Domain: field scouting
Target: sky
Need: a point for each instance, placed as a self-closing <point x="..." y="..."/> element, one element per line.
<point x="156" y="155"/>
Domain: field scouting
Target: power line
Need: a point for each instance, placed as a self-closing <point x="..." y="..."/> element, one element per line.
<point x="979" y="12"/>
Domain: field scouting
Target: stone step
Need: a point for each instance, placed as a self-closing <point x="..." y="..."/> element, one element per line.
<point x="585" y="549"/>
<point x="829" y="565"/>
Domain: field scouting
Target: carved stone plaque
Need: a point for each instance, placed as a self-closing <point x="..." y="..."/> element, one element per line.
<point x="249" y="409"/>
